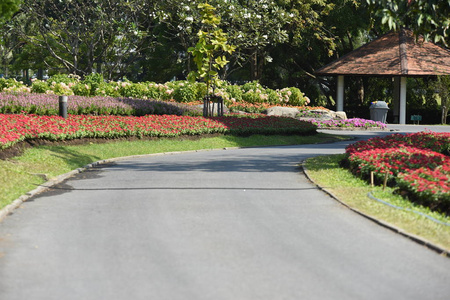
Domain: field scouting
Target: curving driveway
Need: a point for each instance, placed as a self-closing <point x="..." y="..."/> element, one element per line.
<point x="232" y="224"/>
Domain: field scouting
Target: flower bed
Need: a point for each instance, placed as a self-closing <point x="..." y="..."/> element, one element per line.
<point x="349" y="123"/>
<point x="415" y="163"/>
<point x="43" y="104"/>
<point x="260" y="124"/>
<point x="15" y="128"/>
<point x="428" y="186"/>
<point x="438" y="142"/>
<point x="262" y="107"/>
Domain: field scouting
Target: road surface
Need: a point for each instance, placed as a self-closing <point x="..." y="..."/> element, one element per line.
<point x="227" y="224"/>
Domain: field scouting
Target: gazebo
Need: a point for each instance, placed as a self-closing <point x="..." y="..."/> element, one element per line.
<point x="395" y="54"/>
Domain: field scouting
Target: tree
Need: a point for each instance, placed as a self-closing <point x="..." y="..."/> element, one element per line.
<point x="442" y="88"/>
<point x="8" y="8"/>
<point x="430" y="18"/>
<point x="208" y="53"/>
<point x="256" y="28"/>
<point x="84" y="36"/>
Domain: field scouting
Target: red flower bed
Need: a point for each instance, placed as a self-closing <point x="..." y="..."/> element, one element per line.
<point x="414" y="162"/>
<point x="438" y="142"/>
<point x="16" y="128"/>
<point x="429" y="186"/>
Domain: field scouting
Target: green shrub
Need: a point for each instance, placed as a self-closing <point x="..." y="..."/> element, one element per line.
<point x="252" y="86"/>
<point x="94" y="81"/>
<point x="272" y="96"/>
<point x="39" y="86"/>
<point x="155" y="91"/>
<point x="81" y="89"/>
<point x="296" y="98"/>
<point x="235" y="92"/>
<point x="133" y="90"/>
<point x="250" y="97"/>
<point x="61" y="88"/>
<point x="184" y="92"/>
<point x="65" y="78"/>
<point x="12" y="85"/>
<point x="200" y="90"/>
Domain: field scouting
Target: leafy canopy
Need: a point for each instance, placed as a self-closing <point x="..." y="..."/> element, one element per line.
<point x="208" y="53"/>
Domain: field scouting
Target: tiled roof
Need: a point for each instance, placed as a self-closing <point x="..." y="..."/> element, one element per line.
<point x="393" y="54"/>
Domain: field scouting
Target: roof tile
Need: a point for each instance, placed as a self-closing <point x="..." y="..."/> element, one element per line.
<point x="393" y="54"/>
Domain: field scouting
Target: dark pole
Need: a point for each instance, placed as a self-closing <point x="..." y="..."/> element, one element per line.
<point x="63" y="106"/>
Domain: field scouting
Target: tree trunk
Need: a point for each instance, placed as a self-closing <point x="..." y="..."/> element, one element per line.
<point x="360" y="90"/>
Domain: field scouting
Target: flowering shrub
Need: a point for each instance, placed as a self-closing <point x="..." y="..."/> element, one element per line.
<point x="12" y="85"/>
<point x="180" y="91"/>
<point x="416" y="163"/>
<point x="15" y="128"/>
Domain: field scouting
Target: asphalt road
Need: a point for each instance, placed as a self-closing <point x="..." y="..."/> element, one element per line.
<point x="230" y="224"/>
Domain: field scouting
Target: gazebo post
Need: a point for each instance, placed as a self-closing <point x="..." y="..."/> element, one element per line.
<point x="340" y="93"/>
<point x="402" y="100"/>
<point x="396" y="102"/>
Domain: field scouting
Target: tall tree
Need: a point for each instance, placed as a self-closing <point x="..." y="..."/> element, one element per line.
<point x="256" y="28"/>
<point x="430" y="18"/>
<point x="89" y="35"/>
<point x="8" y="8"/>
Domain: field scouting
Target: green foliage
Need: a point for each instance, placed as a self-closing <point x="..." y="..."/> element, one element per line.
<point x="81" y="89"/>
<point x="132" y="90"/>
<point x="252" y="86"/>
<point x="179" y="91"/>
<point x="8" y="8"/>
<point x="184" y="92"/>
<point x="429" y="18"/>
<point x="296" y="97"/>
<point x="60" y="88"/>
<point x="94" y="81"/>
<point x="39" y="86"/>
<point x="9" y="83"/>
<point x="442" y="88"/>
<point x="252" y="97"/>
<point x="208" y="53"/>
<point x="235" y="92"/>
<point x="64" y="78"/>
